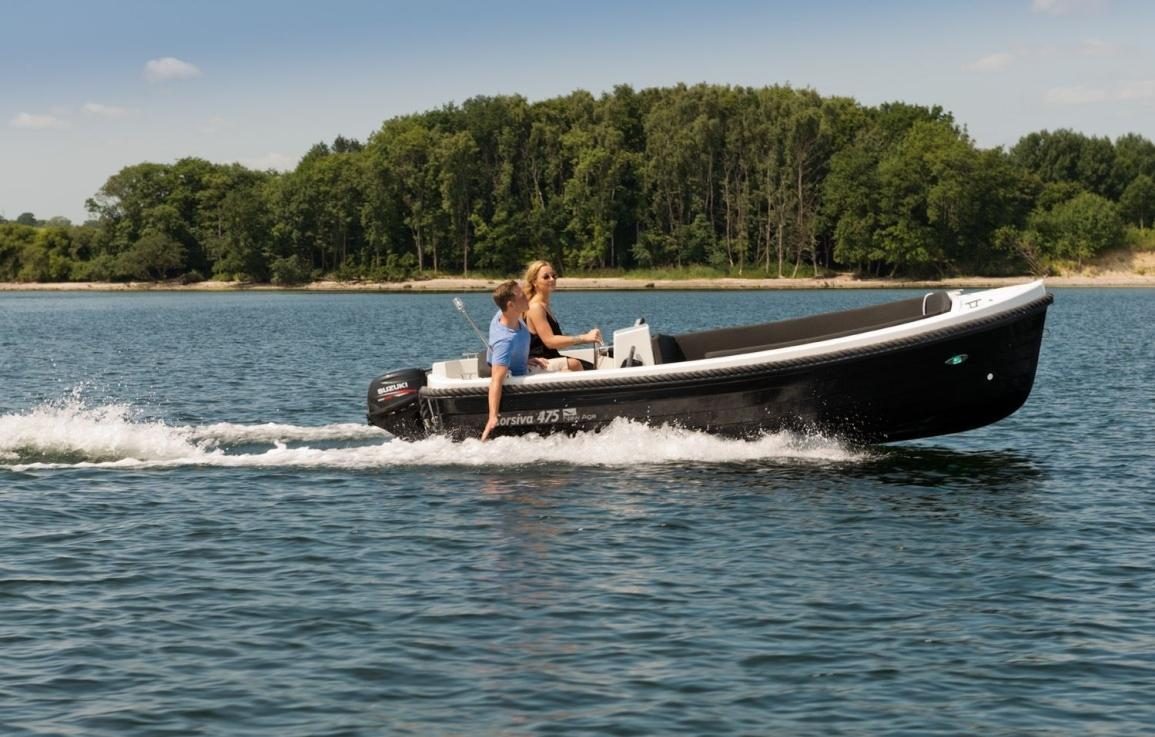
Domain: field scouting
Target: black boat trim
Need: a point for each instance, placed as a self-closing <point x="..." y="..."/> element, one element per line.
<point x="953" y="331"/>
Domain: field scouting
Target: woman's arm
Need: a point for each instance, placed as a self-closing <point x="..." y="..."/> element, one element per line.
<point x="539" y="324"/>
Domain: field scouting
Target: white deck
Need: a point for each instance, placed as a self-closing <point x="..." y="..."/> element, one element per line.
<point x="965" y="308"/>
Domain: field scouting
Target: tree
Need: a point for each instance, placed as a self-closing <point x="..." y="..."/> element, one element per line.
<point x="926" y="200"/>
<point x="1137" y="204"/>
<point x="1134" y="155"/>
<point x="15" y="239"/>
<point x="233" y="222"/>
<point x="237" y="247"/>
<point x="407" y="149"/>
<point x="594" y="193"/>
<point x="807" y="137"/>
<point x="1079" y="228"/>
<point x="458" y="160"/>
<point x="123" y="203"/>
<point x="1067" y="156"/>
<point x="27" y="218"/>
<point x="152" y="257"/>
<point x="727" y="176"/>
<point x="851" y="202"/>
<point x="47" y="257"/>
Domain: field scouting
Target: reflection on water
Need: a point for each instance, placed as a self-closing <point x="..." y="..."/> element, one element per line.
<point x="945" y="468"/>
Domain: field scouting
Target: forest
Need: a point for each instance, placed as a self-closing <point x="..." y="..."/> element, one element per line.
<point x="761" y="182"/>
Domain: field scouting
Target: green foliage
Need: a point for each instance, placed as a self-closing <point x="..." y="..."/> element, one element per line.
<point x="98" y="268"/>
<point x="1140" y="239"/>
<point x="769" y="181"/>
<point x="1067" y="156"/>
<point x="1079" y="228"/>
<point x="15" y="240"/>
<point x="672" y="273"/>
<point x="1073" y="231"/>
<point x="396" y="268"/>
<point x="1137" y="204"/>
<point x="290" y="271"/>
<point x="153" y="257"/>
<point x="1024" y="246"/>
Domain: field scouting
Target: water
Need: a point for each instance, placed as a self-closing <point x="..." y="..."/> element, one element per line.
<point x="199" y="535"/>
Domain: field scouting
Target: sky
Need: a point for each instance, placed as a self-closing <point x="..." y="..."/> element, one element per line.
<point x="88" y="87"/>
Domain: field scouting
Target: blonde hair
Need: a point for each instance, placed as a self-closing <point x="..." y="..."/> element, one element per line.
<point x="531" y="273"/>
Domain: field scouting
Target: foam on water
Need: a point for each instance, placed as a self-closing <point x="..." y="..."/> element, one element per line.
<point x="73" y="435"/>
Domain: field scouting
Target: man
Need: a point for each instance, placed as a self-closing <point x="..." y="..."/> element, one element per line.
<point x="508" y="345"/>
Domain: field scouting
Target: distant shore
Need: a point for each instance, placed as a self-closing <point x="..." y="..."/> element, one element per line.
<point x="1119" y="270"/>
<point x="461" y="284"/>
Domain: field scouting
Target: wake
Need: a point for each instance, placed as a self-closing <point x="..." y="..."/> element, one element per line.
<point x="71" y="435"/>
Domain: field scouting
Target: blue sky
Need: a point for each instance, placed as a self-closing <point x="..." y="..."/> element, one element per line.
<point x="89" y="87"/>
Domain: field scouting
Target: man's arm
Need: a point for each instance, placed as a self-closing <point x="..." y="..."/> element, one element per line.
<point x="496" y="377"/>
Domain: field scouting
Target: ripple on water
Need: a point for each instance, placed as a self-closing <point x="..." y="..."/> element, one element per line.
<point x="179" y="563"/>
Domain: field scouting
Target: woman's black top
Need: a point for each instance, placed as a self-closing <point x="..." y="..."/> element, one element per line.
<point x="537" y="349"/>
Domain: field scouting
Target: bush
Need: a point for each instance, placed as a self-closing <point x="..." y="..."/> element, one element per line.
<point x="290" y="271"/>
<point x="395" y="268"/>
<point x="152" y="257"/>
<point x="1079" y="228"/>
<point x="1025" y="245"/>
<point x="100" y="268"/>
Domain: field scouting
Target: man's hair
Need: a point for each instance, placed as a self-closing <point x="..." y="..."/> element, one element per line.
<point x="503" y="295"/>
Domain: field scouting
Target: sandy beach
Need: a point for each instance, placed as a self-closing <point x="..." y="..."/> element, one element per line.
<point x="458" y="284"/>
<point x="1140" y="272"/>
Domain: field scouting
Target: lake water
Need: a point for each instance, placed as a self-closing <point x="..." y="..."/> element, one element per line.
<point x="200" y="535"/>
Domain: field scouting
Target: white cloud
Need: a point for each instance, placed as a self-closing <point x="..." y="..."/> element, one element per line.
<point x="106" y="111"/>
<point x="992" y="62"/>
<point x="1140" y="90"/>
<point x="1143" y="89"/>
<point x="37" y="122"/>
<point x="1075" y="95"/>
<point x="169" y="68"/>
<point x="272" y="160"/>
<point x="1097" y="48"/>
<point x="1068" y="7"/>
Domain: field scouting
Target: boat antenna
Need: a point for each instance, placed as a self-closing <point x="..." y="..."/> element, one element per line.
<point x="461" y="308"/>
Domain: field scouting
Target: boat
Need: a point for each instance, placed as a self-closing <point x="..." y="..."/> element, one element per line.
<point x="938" y="363"/>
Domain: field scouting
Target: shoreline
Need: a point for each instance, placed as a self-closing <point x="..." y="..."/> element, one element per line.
<point x="463" y="284"/>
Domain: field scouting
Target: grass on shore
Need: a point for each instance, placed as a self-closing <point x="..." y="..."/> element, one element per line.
<point x="683" y="273"/>
<point x="1141" y="240"/>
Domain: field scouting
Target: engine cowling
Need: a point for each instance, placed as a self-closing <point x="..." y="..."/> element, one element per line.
<point x="394" y="403"/>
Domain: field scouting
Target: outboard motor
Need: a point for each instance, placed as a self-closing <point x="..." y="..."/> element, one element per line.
<point x="394" y="405"/>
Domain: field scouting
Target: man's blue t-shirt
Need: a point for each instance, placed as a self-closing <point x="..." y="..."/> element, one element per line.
<point x="508" y="347"/>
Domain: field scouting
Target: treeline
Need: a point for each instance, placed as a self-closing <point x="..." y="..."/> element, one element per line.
<point x="769" y="181"/>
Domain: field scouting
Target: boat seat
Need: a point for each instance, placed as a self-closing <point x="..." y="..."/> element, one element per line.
<point x="799" y="341"/>
<point x="666" y="349"/>
<point x="935" y="303"/>
<point x="784" y="333"/>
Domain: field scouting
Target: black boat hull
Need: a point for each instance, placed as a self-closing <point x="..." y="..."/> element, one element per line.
<point x="948" y="381"/>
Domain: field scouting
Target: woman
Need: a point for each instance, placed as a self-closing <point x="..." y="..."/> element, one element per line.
<point x="546" y="337"/>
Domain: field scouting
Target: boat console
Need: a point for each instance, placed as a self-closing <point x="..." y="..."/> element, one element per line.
<point x="633" y="346"/>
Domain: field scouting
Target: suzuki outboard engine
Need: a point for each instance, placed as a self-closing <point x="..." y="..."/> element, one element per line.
<point x="394" y="405"/>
